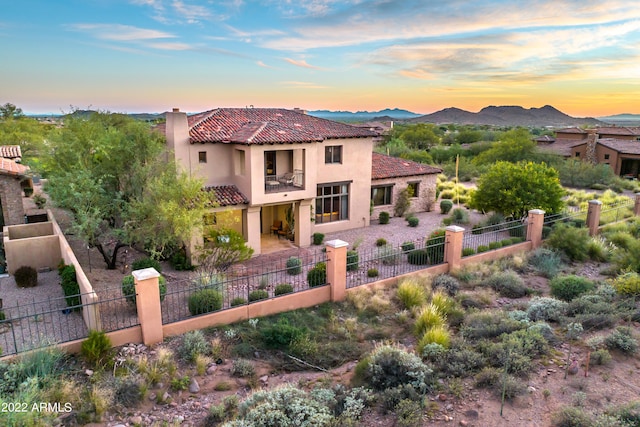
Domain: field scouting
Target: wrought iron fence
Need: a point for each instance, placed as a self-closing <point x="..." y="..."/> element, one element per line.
<point x="494" y="236"/>
<point x="117" y="310"/>
<point x="388" y="261"/>
<point x="615" y="212"/>
<point x="206" y="293"/>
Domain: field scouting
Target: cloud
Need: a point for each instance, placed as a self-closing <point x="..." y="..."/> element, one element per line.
<point x="301" y="63"/>
<point x="169" y="46"/>
<point x="263" y="65"/>
<point x="118" y="32"/>
<point x="192" y="13"/>
<point x="302" y="85"/>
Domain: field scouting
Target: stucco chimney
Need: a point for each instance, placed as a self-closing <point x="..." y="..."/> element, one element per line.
<point x="177" y="133"/>
<point x="592" y="140"/>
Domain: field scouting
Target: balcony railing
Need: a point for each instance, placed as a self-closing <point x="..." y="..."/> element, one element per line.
<point x="291" y="181"/>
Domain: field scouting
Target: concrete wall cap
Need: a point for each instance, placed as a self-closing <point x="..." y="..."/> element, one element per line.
<point x="595" y="202"/>
<point x="337" y="243"/>
<point x="145" y="274"/>
<point x="536" y="211"/>
<point x="454" y="228"/>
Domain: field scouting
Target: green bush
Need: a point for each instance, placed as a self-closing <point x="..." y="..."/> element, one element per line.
<point x="627" y="284"/>
<point x="570" y="416"/>
<point x="508" y="284"/>
<point x="372" y="272"/>
<point x="204" y="301"/>
<point x="70" y="286"/>
<point x="448" y="283"/>
<point x="435" y="247"/>
<point x="294" y="266"/>
<point x="445" y="206"/>
<point x="3" y="317"/>
<point x="383" y="217"/>
<point x="283" y="288"/>
<point x="460" y="216"/>
<point x="488" y="324"/>
<point x="129" y="288"/>
<point x="495" y="245"/>
<point x="317" y="276"/>
<point x="381" y="241"/>
<point x="194" y="344"/>
<point x="506" y="242"/>
<point x="407" y="246"/>
<point x="569" y="287"/>
<point x="392" y="366"/>
<point x="258" y="294"/>
<point x="128" y="392"/>
<point x="418" y="257"/>
<point x="601" y="357"/>
<point x="411" y="294"/>
<point x="482" y="248"/>
<point x="468" y="251"/>
<point x="28" y="191"/>
<point x="573" y="242"/>
<point x="545" y="261"/>
<point x="281" y="334"/>
<point x="352" y="260"/>
<point x="242" y="368"/>
<point x="40" y="201"/>
<point x="26" y="277"/>
<point x="389" y="256"/>
<point x="146" y="263"/>
<point x="238" y="301"/>
<point x="96" y="348"/>
<point x="413" y="221"/>
<point x="546" y="309"/>
<point x="179" y="261"/>
<point x="621" y="339"/>
<point x="318" y="238"/>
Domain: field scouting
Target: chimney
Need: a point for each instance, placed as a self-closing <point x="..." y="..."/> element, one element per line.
<point x="592" y="141"/>
<point x="177" y="133"/>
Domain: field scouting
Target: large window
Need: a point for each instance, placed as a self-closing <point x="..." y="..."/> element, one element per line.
<point x="414" y="188"/>
<point x="332" y="202"/>
<point x="382" y="195"/>
<point x="333" y="154"/>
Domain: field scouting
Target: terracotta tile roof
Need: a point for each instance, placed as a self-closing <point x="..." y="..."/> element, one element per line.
<point x="10" y="152"/>
<point x="383" y="166"/>
<point x="572" y="130"/>
<point x="622" y="146"/>
<point x="545" y="139"/>
<point x="9" y="167"/>
<point x="618" y="130"/>
<point x="562" y="146"/>
<point x="228" y="195"/>
<point x="266" y="126"/>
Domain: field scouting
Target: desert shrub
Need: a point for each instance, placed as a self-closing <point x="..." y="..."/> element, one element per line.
<point x="495" y="245"/>
<point x="413" y="221"/>
<point x="460" y="360"/>
<point x="482" y="248"/>
<point x="407" y="246"/>
<point x="180" y="383"/>
<point x="627" y="284"/>
<point x="129" y="288"/>
<point x="593" y="311"/>
<point x="372" y="272"/>
<point x="383" y="217"/>
<point x="128" y="392"/>
<point x="96" y="349"/>
<point x="518" y="231"/>
<point x="26" y="277"/>
<point x="443" y="302"/>
<point x="569" y="287"/>
<point x="429" y="317"/>
<point x="546" y="309"/>
<point x="506" y="242"/>
<point x="238" y="301"/>
<point x="70" y="286"/>
<point x="204" y="301"/>
<point x="283" y="288"/>
<point x="445" y="206"/>
<point x="411" y="294"/>
<point x="435" y="247"/>
<point x="353" y="260"/>
<point x="392" y="366"/>
<point x="573" y="242"/>
<point x="242" y="368"/>
<point x="512" y="387"/>
<point x="488" y="324"/>
<point x="628" y="413"/>
<point x="508" y="284"/>
<point x="436" y="335"/>
<point x="599" y="249"/>
<point x="408" y="413"/>
<point x="403" y="201"/>
<point x="281" y="334"/>
<point x="318" y="238"/>
<point x="193" y="344"/>
<point x="545" y="261"/>
<point x="468" y="252"/>
<point x="418" y="257"/>
<point x="317" y="276"/>
<point x="179" y="260"/>
<point x="448" y="283"/>
<point x="40" y="201"/>
<point x="570" y="416"/>
<point x="621" y="339"/>
<point x="28" y="191"/>
<point x="601" y="357"/>
<point x="258" y="294"/>
<point x="381" y="241"/>
<point x="294" y="266"/>
<point x="447" y="221"/>
<point x="488" y="377"/>
<point x="460" y="216"/>
<point x="146" y="263"/>
<point x="389" y="256"/>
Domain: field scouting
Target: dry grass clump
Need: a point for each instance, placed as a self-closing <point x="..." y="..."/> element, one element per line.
<point x="412" y="293"/>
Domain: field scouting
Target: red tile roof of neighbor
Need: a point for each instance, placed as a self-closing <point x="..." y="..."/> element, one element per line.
<point x="383" y="166"/>
<point x="266" y="126"/>
<point x="228" y="195"/>
<point x="9" y="167"/>
<point x="622" y="146"/>
<point x="10" y="151"/>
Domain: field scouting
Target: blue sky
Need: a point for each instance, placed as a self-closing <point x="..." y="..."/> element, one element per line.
<point x="582" y="57"/>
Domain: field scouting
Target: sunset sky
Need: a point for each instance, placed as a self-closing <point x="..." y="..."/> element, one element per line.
<point x="582" y="56"/>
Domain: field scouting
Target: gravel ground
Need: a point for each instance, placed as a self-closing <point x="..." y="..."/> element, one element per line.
<point x="36" y="316"/>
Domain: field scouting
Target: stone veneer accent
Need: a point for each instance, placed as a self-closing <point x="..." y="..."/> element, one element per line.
<point x="11" y="196"/>
<point x="425" y="201"/>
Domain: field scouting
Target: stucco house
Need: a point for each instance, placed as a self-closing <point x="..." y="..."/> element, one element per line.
<point x="276" y="167"/>
<point x="391" y="175"/>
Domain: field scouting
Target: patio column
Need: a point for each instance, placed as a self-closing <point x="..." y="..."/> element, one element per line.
<point x="535" y="222"/>
<point x="148" y="304"/>
<point x="593" y="216"/>
<point x="303" y="223"/>
<point x="253" y="229"/>
<point x="337" y="268"/>
<point x="453" y="240"/>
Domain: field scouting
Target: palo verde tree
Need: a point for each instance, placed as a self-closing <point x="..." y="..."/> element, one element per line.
<point x="114" y="175"/>
<point x="28" y="133"/>
<point x="512" y="189"/>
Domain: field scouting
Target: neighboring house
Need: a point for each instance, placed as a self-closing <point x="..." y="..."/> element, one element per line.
<point x="616" y="146"/>
<point x="12" y="175"/>
<point x="391" y="175"/>
<point x="271" y="166"/>
<point x="11" y="152"/>
<point x="380" y="128"/>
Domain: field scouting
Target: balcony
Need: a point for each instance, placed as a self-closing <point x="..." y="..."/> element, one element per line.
<point x="290" y="181"/>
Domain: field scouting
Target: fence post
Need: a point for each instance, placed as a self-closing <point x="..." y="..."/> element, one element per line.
<point x="636" y="207"/>
<point x="535" y="222"/>
<point x="593" y="216"/>
<point x="148" y="304"/>
<point x="453" y="239"/>
<point x="337" y="268"/>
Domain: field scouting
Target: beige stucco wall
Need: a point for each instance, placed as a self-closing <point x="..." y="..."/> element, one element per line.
<point x="420" y="203"/>
<point x="37" y="252"/>
<point x="24" y="231"/>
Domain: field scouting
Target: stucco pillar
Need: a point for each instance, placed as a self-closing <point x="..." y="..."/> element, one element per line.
<point x="535" y="221"/>
<point x="453" y="239"/>
<point x="636" y="207"/>
<point x="148" y="304"/>
<point x="253" y="229"/>
<point x="593" y="216"/>
<point x="337" y="268"/>
<point x="303" y="223"/>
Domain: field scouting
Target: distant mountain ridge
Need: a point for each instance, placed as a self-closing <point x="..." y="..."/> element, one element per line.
<point x="625" y="119"/>
<point x="393" y="113"/>
<point x="509" y="115"/>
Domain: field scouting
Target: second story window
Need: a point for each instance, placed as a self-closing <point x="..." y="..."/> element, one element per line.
<point x="333" y="154"/>
<point x="202" y="156"/>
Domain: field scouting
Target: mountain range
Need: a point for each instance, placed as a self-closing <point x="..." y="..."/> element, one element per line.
<point x="362" y="116"/>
